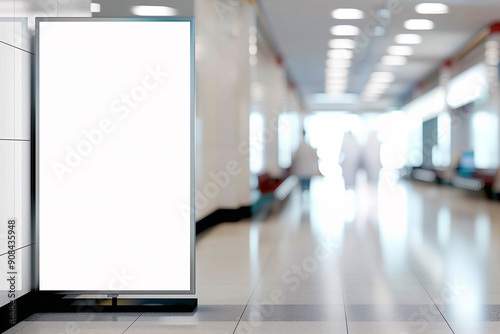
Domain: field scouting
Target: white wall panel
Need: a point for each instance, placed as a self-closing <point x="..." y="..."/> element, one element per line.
<point x="223" y="105"/>
<point x="15" y="90"/>
<point x="7" y="29"/>
<point x="7" y="91"/>
<point x="15" y="191"/>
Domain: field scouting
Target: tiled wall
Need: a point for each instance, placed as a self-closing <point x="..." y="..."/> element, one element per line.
<point x="17" y="30"/>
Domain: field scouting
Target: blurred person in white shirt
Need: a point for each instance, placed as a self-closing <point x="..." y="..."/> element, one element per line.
<point x="305" y="163"/>
<point x="350" y="160"/>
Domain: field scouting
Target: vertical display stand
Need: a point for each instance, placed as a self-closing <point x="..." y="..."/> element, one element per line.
<point x="114" y="164"/>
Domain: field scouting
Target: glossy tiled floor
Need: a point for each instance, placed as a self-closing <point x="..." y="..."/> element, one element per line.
<point x="399" y="258"/>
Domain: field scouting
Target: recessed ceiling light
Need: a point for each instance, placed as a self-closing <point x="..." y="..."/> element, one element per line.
<point x="153" y="11"/>
<point x="338" y="63"/>
<point x="336" y="87"/>
<point x="347" y="14"/>
<point x="394" y="60"/>
<point x="382" y="77"/>
<point x="408" y="39"/>
<point x="338" y="80"/>
<point x="340" y="54"/>
<point x="345" y="30"/>
<point x="419" y="24"/>
<point x="432" y="8"/>
<point x="252" y="49"/>
<point x="400" y="50"/>
<point x="342" y="43"/>
<point x="337" y="73"/>
<point x="95" y="7"/>
<point x="376" y="88"/>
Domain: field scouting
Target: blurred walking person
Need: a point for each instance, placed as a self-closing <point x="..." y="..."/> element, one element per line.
<point x="350" y="160"/>
<point x="305" y="163"/>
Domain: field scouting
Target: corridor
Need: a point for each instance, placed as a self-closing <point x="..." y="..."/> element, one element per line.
<point x="401" y="257"/>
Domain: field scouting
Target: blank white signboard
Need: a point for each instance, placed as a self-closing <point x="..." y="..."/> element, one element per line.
<point x="114" y="154"/>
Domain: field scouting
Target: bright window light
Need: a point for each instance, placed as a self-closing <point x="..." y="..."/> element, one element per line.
<point x="382" y="77"/>
<point x="338" y="63"/>
<point x="333" y="85"/>
<point x="484" y="135"/>
<point x="419" y="24"/>
<point x="400" y="50"/>
<point x="469" y="86"/>
<point x="285" y="140"/>
<point x="341" y="43"/>
<point x="345" y="30"/>
<point x="256" y="142"/>
<point x="408" y="39"/>
<point x="432" y="8"/>
<point x="153" y="11"/>
<point x="95" y="7"/>
<point x="340" y="54"/>
<point x="335" y="93"/>
<point x="394" y="60"/>
<point x="348" y="14"/>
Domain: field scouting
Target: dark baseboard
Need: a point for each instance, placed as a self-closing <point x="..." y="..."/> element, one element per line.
<point x="223" y="216"/>
<point x="16" y="311"/>
<point x="48" y="302"/>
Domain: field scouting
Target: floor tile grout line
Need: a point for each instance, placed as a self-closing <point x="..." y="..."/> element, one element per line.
<point x="432" y="299"/>
<point x="259" y="280"/>
<point x="140" y="315"/>
<point x="18" y="249"/>
<point x="345" y="306"/>
<point x="18" y="48"/>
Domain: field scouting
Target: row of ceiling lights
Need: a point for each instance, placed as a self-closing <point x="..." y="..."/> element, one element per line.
<point x="340" y="53"/>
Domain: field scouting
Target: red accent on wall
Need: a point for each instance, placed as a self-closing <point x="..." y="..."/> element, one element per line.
<point x="495" y="27"/>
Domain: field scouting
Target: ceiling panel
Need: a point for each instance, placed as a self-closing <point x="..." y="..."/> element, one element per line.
<point x="301" y="30"/>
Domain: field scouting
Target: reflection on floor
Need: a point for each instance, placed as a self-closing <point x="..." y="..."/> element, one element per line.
<point x="394" y="259"/>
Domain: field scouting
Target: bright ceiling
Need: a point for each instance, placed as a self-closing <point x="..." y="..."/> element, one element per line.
<point x="302" y="31"/>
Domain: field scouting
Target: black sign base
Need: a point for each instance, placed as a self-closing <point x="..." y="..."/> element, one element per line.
<point x="61" y="303"/>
